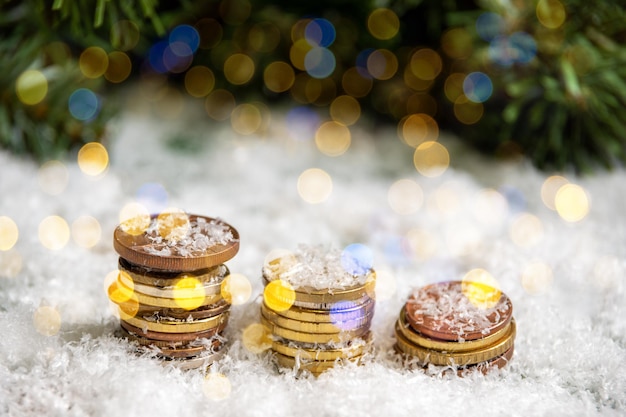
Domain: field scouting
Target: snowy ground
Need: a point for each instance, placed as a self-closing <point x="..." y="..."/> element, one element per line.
<point x="571" y="342"/>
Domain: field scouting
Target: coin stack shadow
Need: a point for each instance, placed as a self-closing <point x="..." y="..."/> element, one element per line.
<point x="458" y="325"/>
<point x="168" y="304"/>
<point x="314" y="329"/>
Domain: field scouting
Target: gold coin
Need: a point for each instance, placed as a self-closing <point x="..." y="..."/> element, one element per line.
<point x="173" y="337"/>
<point x="169" y="291"/>
<point x="315" y="367"/>
<point x="167" y="326"/>
<point x="194" y="363"/>
<point x="336" y="313"/>
<point x="321" y="353"/>
<point x="303" y="337"/>
<point x="203" y="312"/>
<point x="330" y="296"/>
<point x="329" y="306"/>
<point x="148" y="300"/>
<point x="186" y="242"/>
<point x="157" y="278"/>
<point x="311" y="327"/>
<point x="457" y="358"/>
<point x="445" y="345"/>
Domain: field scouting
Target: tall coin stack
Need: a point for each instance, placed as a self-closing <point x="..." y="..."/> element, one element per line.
<point x="460" y="324"/>
<point x="171" y="288"/>
<point x="317" y="308"/>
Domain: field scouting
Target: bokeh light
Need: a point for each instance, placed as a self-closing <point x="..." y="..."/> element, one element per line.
<point x="152" y="197"/>
<point x="84" y="104"/>
<point x="189" y="293"/>
<point x="453" y="86"/>
<point x="93" y="159"/>
<point x="184" y="40"/>
<point x="572" y="203"/>
<point x="431" y="159"/>
<point x="357" y="259"/>
<point x="319" y="62"/>
<point x="526" y="230"/>
<point x="219" y="104"/>
<point x="481" y="288"/>
<point x="302" y="123"/>
<point x="199" y="81"/>
<point x="236" y="289"/>
<point x="405" y="196"/>
<point x="9" y="233"/>
<point x="537" y="278"/>
<point x="314" y="185"/>
<point x="549" y="188"/>
<point x="418" y="128"/>
<point x="320" y="32"/>
<point x="210" y="31"/>
<point x="11" y="263"/>
<point x="124" y="35"/>
<point x="246" y="119"/>
<point x="134" y="218"/>
<point x="551" y="13"/>
<point x="278" y="76"/>
<point x="238" y="69"/>
<point x="54" y="233"/>
<point x="477" y="87"/>
<point x="93" y="62"/>
<point x="354" y="83"/>
<point x="264" y="37"/>
<point x="345" y="110"/>
<point x="489" y="25"/>
<point x="173" y="224"/>
<point x="426" y="64"/>
<point x="47" y="320"/>
<point x="332" y="138"/>
<point x="382" y="64"/>
<point x="119" y="67"/>
<point x="31" y="87"/>
<point x="279" y="295"/>
<point x="383" y="23"/>
<point x="467" y="111"/>
<point x="86" y="231"/>
<point x="457" y="43"/>
<point x="257" y="338"/>
<point x="216" y="386"/>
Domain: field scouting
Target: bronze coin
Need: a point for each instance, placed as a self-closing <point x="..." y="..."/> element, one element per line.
<point x="177" y="242"/>
<point x="443" y="311"/>
<point x="174" y="337"/>
<point x="159" y="278"/>
<point x="176" y="349"/>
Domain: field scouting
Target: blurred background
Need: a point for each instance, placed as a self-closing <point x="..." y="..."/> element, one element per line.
<point x="541" y="78"/>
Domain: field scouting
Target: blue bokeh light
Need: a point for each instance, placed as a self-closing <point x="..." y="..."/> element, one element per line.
<point x="319" y="62"/>
<point x="524" y="46"/>
<point x="155" y="56"/>
<point x="489" y="25"/>
<point x="357" y="259"/>
<point x="83" y="104"/>
<point x="152" y="196"/>
<point x="477" y="87"/>
<point x="515" y="198"/>
<point x="184" y="35"/>
<point x="361" y="62"/>
<point x="302" y="123"/>
<point x="320" y="32"/>
<point x="174" y="62"/>
<point x="344" y="313"/>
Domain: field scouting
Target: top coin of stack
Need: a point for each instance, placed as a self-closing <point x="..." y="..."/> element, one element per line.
<point x="461" y="324"/>
<point x="170" y="284"/>
<point x="317" y="311"/>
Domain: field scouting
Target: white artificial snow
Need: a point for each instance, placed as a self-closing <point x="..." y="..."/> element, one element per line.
<point x="313" y="267"/>
<point x="570" y="348"/>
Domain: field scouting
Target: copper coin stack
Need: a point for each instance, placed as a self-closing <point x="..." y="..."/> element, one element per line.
<point x="315" y="328"/>
<point x="170" y="286"/>
<point x="458" y="324"/>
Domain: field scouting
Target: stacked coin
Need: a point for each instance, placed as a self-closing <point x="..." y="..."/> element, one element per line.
<point x="170" y="288"/>
<point x="458" y="324"/>
<point x="314" y="328"/>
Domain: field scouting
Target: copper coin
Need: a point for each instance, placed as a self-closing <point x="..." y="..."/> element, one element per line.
<point x="177" y="349"/>
<point x="174" y="337"/>
<point x="203" y="312"/>
<point x="443" y="311"/>
<point x="176" y="242"/>
<point x="159" y="278"/>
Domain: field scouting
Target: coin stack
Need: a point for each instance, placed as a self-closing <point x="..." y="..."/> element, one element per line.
<point x="457" y="324"/>
<point x="171" y="285"/>
<point x="317" y="313"/>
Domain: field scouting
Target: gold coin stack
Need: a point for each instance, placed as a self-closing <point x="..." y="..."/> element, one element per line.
<point x="458" y="325"/>
<point x="172" y="286"/>
<point x="313" y="329"/>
